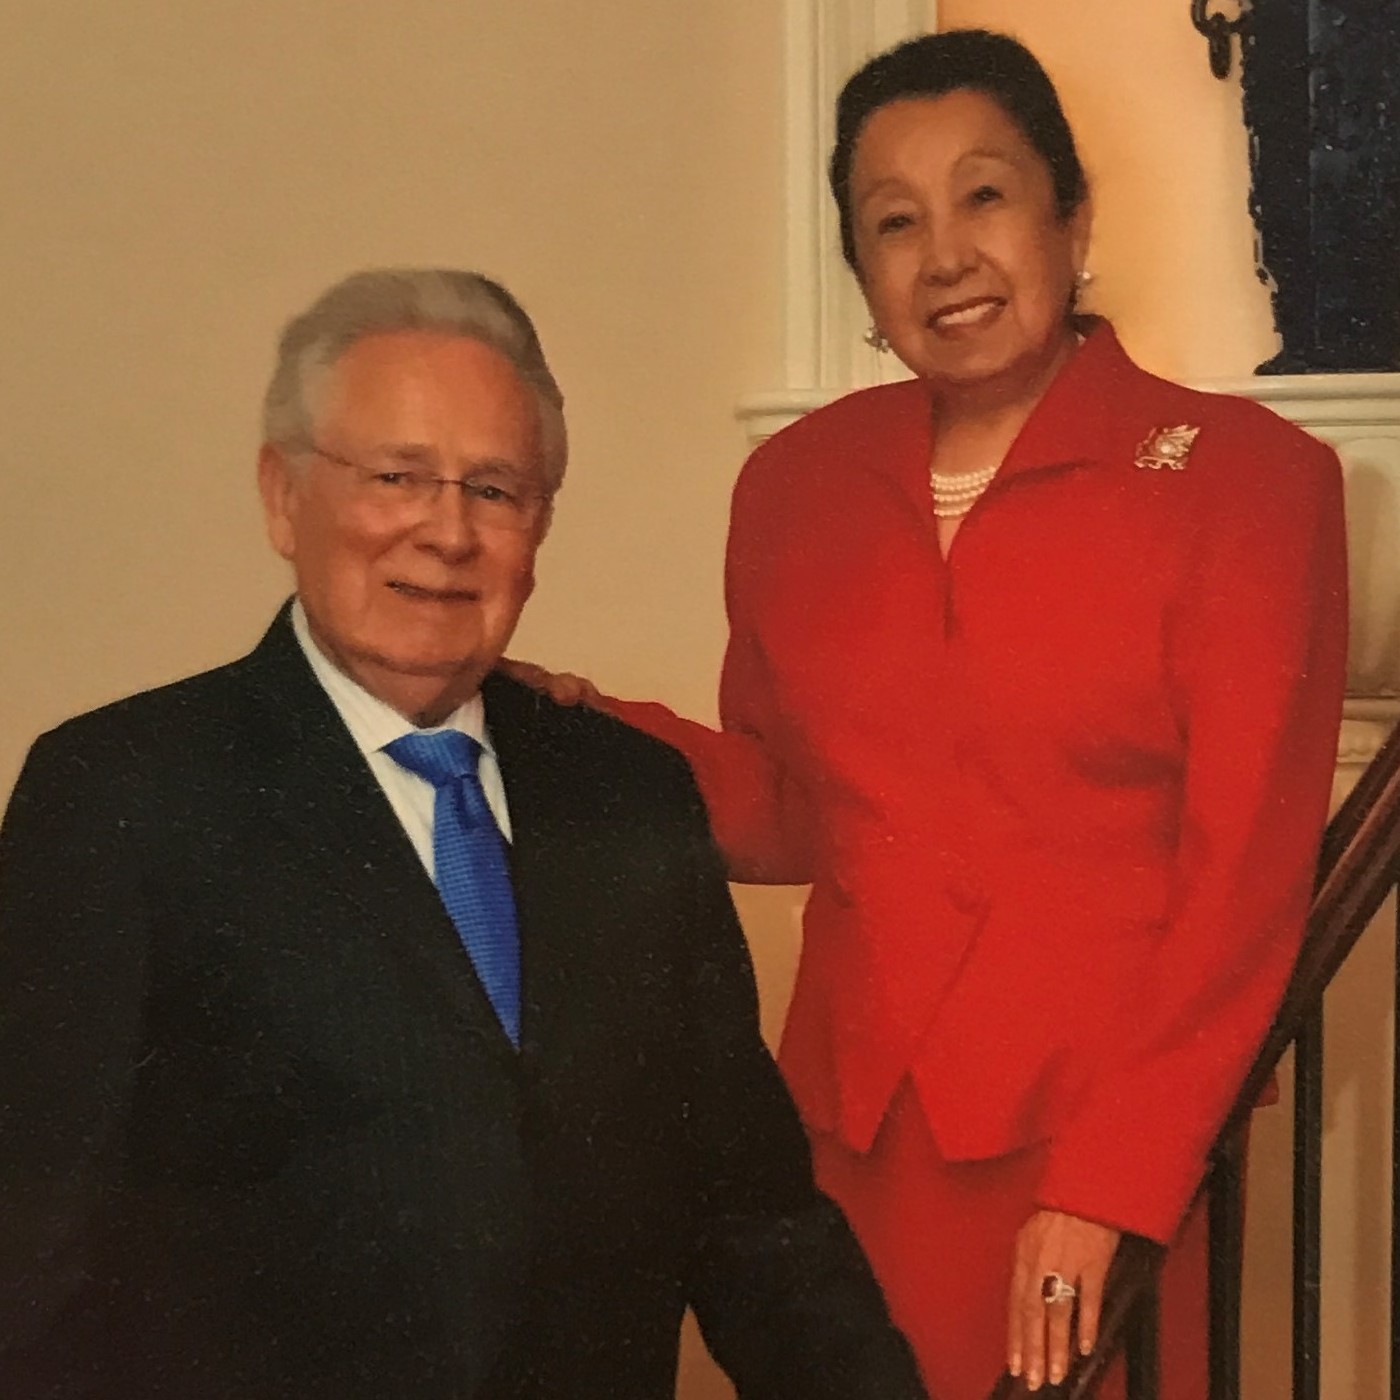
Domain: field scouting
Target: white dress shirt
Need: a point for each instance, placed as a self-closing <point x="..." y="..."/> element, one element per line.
<point x="373" y="725"/>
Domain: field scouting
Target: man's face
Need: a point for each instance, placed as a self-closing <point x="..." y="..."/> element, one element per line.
<point x="413" y="592"/>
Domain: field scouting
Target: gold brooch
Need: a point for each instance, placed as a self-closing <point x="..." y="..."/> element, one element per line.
<point x="1166" y="447"/>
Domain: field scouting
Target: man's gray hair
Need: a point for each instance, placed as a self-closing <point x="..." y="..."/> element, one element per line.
<point x="382" y="301"/>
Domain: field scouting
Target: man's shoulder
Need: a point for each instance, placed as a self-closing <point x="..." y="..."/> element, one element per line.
<point x="183" y="734"/>
<point x="160" y="716"/>
<point x="582" y="741"/>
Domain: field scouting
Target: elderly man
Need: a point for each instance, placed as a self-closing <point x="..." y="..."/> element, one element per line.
<point x="369" y="1026"/>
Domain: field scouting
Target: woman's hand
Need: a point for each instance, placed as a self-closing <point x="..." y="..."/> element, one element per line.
<point x="562" y="687"/>
<point x="1039" y="1334"/>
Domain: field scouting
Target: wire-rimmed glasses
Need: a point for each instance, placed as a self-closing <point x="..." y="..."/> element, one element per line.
<point x="495" y="495"/>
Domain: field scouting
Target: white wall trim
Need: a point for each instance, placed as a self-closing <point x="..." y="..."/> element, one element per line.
<point x="1322" y="403"/>
<point x="1350" y="400"/>
<point x="826" y="40"/>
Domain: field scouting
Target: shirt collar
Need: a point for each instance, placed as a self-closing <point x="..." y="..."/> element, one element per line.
<point x="372" y="724"/>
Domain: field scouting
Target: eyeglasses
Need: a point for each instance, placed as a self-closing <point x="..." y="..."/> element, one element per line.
<point x="494" y="496"/>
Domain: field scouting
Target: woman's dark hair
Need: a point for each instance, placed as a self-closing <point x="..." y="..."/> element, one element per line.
<point x="934" y="64"/>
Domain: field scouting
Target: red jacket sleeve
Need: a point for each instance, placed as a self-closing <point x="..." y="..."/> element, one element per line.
<point x="758" y="812"/>
<point x="1256" y="655"/>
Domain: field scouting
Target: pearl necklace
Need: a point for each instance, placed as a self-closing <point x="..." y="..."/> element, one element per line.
<point x="955" y="493"/>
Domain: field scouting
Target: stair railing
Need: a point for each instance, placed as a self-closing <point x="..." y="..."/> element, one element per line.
<point x="1358" y="867"/>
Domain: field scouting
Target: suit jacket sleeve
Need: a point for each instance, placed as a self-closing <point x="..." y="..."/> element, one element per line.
<point x="784" y="1296"/>
<point x="72" y="970"/>
<point x="1257" y="658"/>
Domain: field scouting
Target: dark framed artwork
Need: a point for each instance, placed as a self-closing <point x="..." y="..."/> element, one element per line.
<point x="1322" y="105"/>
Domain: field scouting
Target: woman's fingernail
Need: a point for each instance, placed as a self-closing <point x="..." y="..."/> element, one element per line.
<point x="1086" y="1347"/>
<point x="1015" y="1366"/>
<point x="1056" y="1375"/>
<point x="1033" y="1378"/>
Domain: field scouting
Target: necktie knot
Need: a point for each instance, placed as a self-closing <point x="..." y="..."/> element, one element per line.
<point x="443" y="757"/>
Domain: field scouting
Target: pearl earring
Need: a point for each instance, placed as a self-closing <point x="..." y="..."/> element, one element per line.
<point x="875" y="339"/>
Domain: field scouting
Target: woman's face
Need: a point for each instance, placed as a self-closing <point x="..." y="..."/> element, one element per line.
<point x="966" y="267"/>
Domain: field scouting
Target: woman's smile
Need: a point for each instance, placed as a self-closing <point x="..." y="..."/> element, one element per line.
<point x="970" y="314"/>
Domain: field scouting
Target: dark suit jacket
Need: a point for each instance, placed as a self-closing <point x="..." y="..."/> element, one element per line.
<point x="262" y="1135"/>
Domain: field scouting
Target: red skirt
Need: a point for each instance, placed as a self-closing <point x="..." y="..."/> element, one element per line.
<point x="940" y="1236"/>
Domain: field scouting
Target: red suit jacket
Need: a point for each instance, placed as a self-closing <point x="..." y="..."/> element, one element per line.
<point x="1060" y="795"/>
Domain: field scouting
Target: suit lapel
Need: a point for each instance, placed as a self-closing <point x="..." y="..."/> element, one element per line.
<point x="553" y="852"/>
<point x="334" y="810"/>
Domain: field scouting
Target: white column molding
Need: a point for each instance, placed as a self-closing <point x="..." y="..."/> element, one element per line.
<point x="826" y="40"/>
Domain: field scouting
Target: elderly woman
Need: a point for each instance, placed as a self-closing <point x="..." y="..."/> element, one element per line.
<point x="1034" y="673"/>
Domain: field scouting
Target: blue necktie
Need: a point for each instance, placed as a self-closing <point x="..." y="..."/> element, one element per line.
<point x="469" y="863"/>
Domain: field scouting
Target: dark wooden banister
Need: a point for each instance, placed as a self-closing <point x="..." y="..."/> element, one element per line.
<point x="1358" y="866"/>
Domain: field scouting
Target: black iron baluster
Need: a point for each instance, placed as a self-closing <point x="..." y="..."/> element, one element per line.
<point x="1140" y="1347"/>
<point x="1226" y="1264"/>
<point x="1307" y="1210"/>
